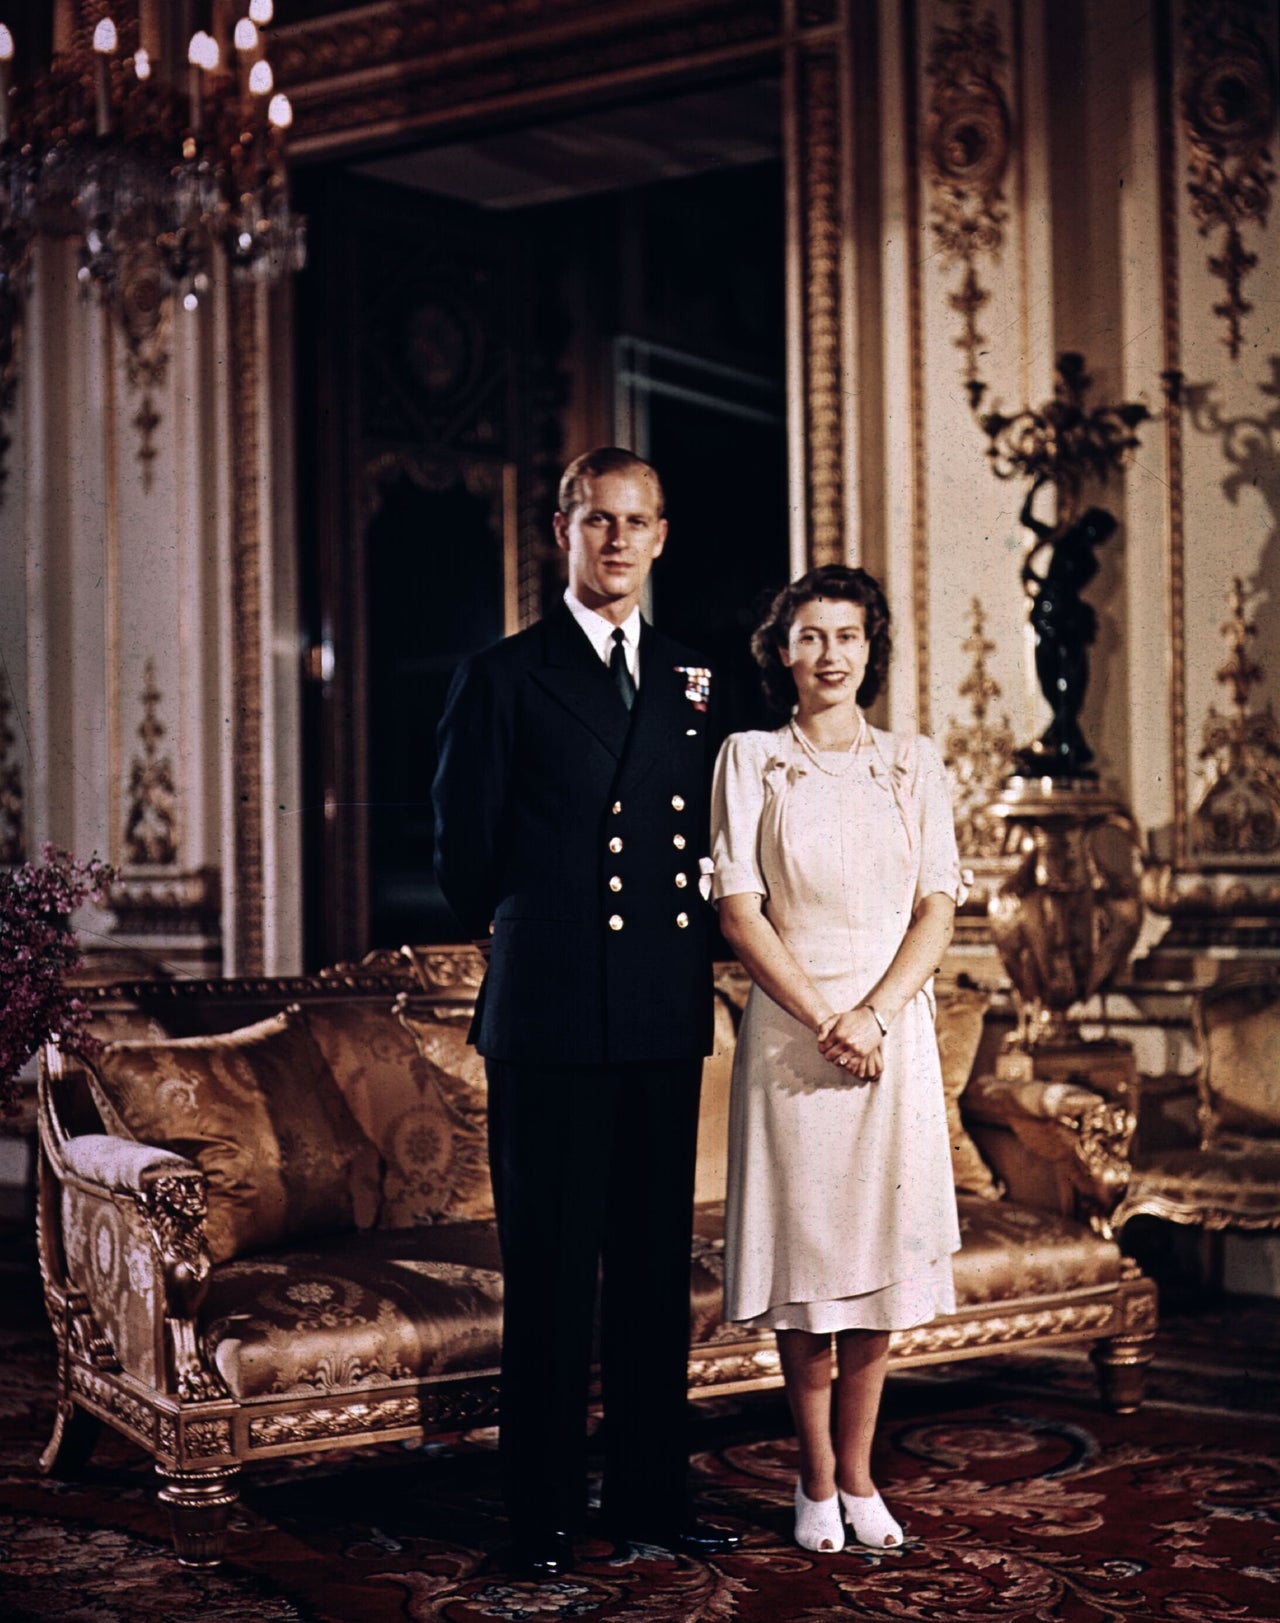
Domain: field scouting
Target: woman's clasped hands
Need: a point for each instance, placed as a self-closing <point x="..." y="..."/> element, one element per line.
<point x="852" y="1041"/>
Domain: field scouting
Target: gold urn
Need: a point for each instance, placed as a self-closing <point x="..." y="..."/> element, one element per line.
<point x="1065" y="919"/>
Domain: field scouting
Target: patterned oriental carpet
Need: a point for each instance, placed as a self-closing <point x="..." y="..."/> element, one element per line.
<point x="1021" y="1500"/>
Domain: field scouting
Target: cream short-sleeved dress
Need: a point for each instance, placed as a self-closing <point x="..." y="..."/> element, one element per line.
<point x="841" y="1210"/>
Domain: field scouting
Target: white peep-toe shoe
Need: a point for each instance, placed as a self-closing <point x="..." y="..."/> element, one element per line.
<point x="869" y="1517"/>
<point x="819" y="1525"/>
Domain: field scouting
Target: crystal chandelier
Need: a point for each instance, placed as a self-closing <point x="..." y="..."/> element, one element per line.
<point x="148" y="146"/>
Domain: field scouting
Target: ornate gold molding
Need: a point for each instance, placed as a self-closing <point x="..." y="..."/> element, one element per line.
<point x="1228" y="118"/>
<point x="13" y="839"/>
<point x="820" y="217"/>
<point x="979" y="752"/>
<point x="333" y="1421"/>
<point x="409" y="65"/>
<point x="150" y="837"/>
<point x="1171" y="355"/>
<point x="967" y="146"/>
<point x="246" y="643"/>
<point x="953" y="1335"/>
<point x="1238" y="814"/>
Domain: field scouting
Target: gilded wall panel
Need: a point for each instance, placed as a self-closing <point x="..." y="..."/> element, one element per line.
<point x="1228" y="280"/>
<point x="971" y="332"/>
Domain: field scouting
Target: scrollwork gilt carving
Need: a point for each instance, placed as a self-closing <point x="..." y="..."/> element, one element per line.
<point x="318" y="1424"/>
<point x="1239" y="812"/>
<point x="206" y="1439"/>
<point x="1229" y="117"/>
<point x="144" y="308"/>
<point x="967" y="143"/>
<point x="979" y="751"/>
<point x="150" y="828"/>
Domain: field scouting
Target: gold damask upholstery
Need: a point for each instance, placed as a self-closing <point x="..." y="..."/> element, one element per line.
<point x="211" y="1355"/>
<point x="1231" y="1179"/>
<point x="260" y="1114"/>
<point x="1010" y="1252"/>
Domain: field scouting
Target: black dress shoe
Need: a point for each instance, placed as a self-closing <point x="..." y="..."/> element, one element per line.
<point x="693" y="1537"/>
<point x="540" y="1556"/>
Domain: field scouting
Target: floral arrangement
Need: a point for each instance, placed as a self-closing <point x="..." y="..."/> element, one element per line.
<point x="38" y="951"/>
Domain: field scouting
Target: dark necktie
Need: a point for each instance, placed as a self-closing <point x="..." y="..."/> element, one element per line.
<point x="618" y="669"/>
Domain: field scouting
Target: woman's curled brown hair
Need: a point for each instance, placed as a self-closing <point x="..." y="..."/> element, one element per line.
<point x="774" y="631"/>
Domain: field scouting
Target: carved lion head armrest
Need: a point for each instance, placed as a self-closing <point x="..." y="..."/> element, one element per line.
<point x="1083" y="1135"/>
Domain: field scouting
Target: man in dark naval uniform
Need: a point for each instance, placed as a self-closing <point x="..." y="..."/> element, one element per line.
<point x="571" y="813"/>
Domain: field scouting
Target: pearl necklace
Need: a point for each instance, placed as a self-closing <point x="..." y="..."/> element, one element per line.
<point x="816" y="755"/>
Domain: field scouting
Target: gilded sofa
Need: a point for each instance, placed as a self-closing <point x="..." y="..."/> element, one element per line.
<point x="265" y="1223"/>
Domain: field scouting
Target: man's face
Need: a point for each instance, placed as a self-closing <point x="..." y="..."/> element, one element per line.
<point x="612" y="537"/>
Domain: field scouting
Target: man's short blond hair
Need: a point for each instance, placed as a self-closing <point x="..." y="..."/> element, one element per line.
<point x="593" y="464"/>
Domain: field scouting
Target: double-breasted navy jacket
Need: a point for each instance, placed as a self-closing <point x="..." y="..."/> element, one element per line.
<point x="571" y="831"/>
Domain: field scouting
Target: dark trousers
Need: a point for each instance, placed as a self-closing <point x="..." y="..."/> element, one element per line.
<point x="593" y="1169"/>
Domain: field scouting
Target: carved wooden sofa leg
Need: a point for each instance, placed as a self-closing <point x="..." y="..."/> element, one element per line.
<point x="75" y="1433"/>
<point x="1121" y="1364"/>
<point x="199" y="1504"/>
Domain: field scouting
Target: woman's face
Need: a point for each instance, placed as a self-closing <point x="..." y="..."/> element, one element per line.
<point x="827" y="653"/>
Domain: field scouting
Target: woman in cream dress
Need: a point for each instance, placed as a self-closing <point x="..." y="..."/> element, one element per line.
<point x="836" y="877"/>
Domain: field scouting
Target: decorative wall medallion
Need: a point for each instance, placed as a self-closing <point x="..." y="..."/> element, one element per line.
<point x="144" y="309"/>
<point x="13" y="842"/>
<point x="979" y="751"/>
<point x="1239" y="812"/>
<point x="967" y="141"/>
<point x="149" y="836"/>
<point x="1229" y="117"/>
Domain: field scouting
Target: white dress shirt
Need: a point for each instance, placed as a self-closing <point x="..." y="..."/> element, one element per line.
<point x="600" y="633"/>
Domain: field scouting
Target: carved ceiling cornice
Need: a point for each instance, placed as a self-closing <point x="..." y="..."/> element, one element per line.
<point x="407" y="65"/>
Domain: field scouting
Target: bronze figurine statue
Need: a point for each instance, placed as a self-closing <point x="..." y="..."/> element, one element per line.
<point x="1064" y="626"/>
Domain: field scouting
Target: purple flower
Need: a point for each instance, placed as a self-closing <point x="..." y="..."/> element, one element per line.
<point x="37" y="952"/>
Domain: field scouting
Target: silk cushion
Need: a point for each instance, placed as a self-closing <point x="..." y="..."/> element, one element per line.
<point x="961" y="1011"/>
<point x="260" y="1114"/>
<point x="437" y="1148"/>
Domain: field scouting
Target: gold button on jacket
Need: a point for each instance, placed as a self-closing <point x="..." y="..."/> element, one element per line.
<point x="615" y="921"/>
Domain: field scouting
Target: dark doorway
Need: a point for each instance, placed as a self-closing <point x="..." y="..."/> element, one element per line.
<point x="465" y="325"/>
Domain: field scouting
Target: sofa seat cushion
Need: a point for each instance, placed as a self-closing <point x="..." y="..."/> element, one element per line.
<point x="357" y="1310"/>
<point x="1010" y="1251"/>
